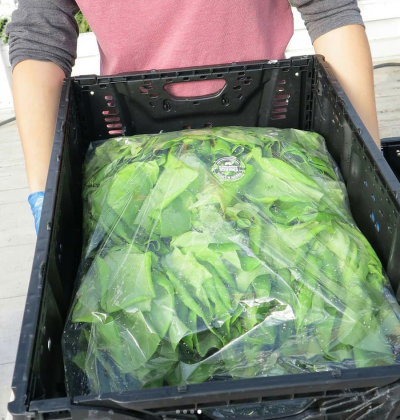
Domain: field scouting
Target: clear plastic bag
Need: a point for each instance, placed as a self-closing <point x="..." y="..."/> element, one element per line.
<point x="219" y="254"/>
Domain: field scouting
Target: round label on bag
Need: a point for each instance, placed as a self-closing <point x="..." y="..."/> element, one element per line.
<point x="228" y="168"/>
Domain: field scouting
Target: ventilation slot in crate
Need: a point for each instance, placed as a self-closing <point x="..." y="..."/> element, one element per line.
<point x="111" y="118"/>
<point x="281" y="102"/>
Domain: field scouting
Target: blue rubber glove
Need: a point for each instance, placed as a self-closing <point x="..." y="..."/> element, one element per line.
<point x="35" y="200"/>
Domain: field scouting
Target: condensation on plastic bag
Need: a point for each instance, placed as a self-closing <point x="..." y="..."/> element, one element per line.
<point x="220" y="254"/>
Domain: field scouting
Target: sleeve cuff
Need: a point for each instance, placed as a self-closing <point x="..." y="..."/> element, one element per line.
<point x="40" y="56"/>
<point x="322" y="26"/>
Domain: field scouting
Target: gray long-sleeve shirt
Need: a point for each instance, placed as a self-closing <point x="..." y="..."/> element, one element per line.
<point x="46" y="30"/>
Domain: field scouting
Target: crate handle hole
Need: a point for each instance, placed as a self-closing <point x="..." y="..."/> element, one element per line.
<point x="208" y="125"/>
<point x="372" y="217"/>
<point x="373" y="197"/>
<point x="113" y="132"/>
<point x="203" y="77"/>
<point x="198" y="89"/>
<point x="111" y="104"/>
<point x="377" y="226"/>
<point x="237" y="87"/>
<point x="282" y="82"/>
<point x="280" y="89"/>
<point x="49" y="344"/>
<point x="118" y="125"/>
<point x="108" y="98"/>
<point x="186" y="127"/>
<point x="102" y="86"/>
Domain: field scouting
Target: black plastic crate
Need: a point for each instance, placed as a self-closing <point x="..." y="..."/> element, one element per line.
<point x="296" y="93"/>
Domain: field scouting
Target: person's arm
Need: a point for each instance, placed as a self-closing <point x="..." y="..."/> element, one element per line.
<point x="42" y="38"/>
<point x="347" y="51"/>
<point x="337" y="32"/>
<point x="36" y="89"/>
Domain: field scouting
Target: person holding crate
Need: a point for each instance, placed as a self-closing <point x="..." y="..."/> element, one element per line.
<point x="142" y="35"/>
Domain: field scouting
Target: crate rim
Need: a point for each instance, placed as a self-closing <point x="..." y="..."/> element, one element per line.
<point x="274" y="386"/>
<point x="213" y="70"/>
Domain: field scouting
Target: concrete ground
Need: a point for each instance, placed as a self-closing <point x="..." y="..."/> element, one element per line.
<point x="17" y="234"/>
<point x="17" y="242"/>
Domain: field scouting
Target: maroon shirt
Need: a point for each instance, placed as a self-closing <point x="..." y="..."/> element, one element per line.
<point x="163" y="34"/>
<point x="160" y="34"/>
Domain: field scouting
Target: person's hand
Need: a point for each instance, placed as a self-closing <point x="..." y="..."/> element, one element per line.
<point x="35" y="200"/>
